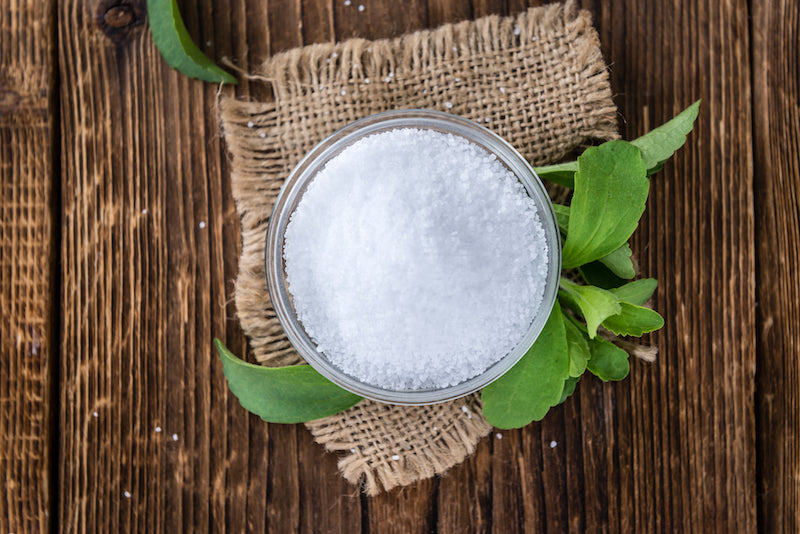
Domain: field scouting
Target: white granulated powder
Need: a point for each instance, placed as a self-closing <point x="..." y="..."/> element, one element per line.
<point x="415" y="260"/>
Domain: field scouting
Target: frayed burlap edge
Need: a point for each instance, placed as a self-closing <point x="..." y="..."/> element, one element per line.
<point x="320" y="88"/>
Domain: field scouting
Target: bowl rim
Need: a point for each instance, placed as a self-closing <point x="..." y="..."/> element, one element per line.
<point x="303" y="174"/>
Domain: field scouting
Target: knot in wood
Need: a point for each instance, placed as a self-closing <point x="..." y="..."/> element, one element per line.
<point x="9" y="100"/>
<point x="119" y="16"/>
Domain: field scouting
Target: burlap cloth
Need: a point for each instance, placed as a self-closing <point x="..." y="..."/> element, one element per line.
<point x="537" y="79"/>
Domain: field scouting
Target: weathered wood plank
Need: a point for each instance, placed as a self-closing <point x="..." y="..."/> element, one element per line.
<point x="28" y="249"/>
<point x="776" y="120"/>
<point x="150" y="440"/>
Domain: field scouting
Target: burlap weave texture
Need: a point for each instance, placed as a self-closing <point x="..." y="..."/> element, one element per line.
<point x="537" y="79"/>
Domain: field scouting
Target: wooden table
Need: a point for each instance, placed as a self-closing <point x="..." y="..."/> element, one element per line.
<point x="120" y="243"/>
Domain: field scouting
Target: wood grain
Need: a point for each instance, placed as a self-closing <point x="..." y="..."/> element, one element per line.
<point x="28" y="222"/>
<point x="685" y="425"/>
<point x="149" y="438"/>
<point x="776" y="84"/>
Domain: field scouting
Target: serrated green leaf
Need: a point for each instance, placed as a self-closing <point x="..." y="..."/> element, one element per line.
<point x="294" y="394"/>
<point x="659" y="144"/>
<point x="634" y="320"/>
<point x="176" y="46"/>
<point x="569" y="388"/>
<point x="636" y="292"/>
<point x="560" y="173"/>
<point x="593" y="303"/>
<point x="608" y="362"/>
<point x="619" y="262"/>
<point x="611" y="188"/>
<point x="578" y="349"/>
<point x="528" y="390"/>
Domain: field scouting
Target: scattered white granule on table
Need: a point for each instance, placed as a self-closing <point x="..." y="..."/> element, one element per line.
<point x="553" y="444"/>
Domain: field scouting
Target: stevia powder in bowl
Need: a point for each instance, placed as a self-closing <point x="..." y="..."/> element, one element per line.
<point x="415" y="260"/>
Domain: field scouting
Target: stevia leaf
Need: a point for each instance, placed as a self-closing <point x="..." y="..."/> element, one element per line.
<point x="619" y="262"/>
<point x="659" y="144"/>
<point x="293" y="394"/>
<point x="611" y="188"/>
<point x="597" y="274"/>
<point x="655" y="169"/>
<point x="560" y="173"/>
<point x="656" y="146"/>
<point x="578" y="349"/>
<point x="528" y="390"/>
<point x="569" y="388"/>
<point x="176" y="46"/>
<point x="634" y="320"/>
<point x="593" y="303"/>
<point x="562" y="217"/>
<point x="608" y="362"/>
<point x="636" y="292"/>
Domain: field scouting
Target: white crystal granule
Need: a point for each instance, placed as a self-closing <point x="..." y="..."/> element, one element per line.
<point x="415" y="260"/>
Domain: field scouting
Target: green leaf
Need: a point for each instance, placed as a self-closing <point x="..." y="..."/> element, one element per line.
<point x="656" y="146"/>
<point x="569" y="387"/>
<point x="634" y="320"/>
<point x="597" y="274"/>
<point x="528" y="390"/>
<point x="293" y="394"/>
<point x="619" y="262"/>
<point x="562" y="217"/>
<point x="660" y="144"/>
<point x="608" y="362"/>
<point x="636" y="292"/>
<point x="177" y="47"/>
<point x="578" y="349"/>
<point x="593" y="303"/>
<point x="655" y="169"/>
<point x="611" y="188"/>
<point x="560" y="173"/>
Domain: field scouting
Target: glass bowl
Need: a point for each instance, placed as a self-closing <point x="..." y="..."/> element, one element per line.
<point x="302" y="175"/>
